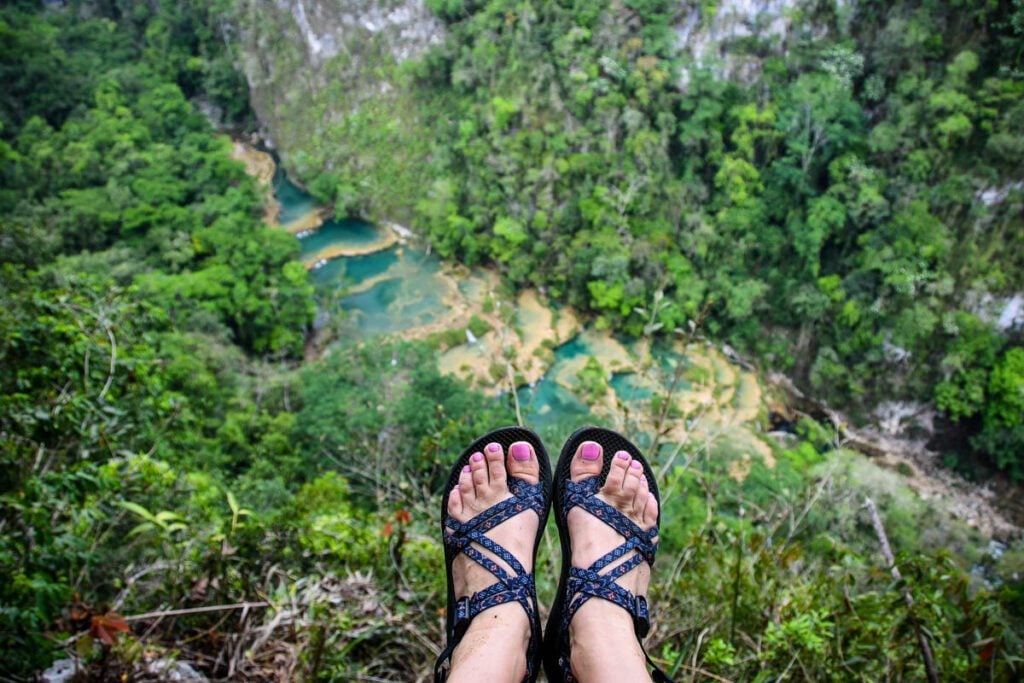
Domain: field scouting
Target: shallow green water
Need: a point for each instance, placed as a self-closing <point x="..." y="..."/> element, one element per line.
<point x="411" y="295"/>
<point x="294" y="202"/>
<point x="407" y="292"/>
<point x="347" y="233"/>
<point x="354" y="269"/>
<point x="547" y="404"/>
<point x="576" y="346"/>
<point x="628" y="388"/>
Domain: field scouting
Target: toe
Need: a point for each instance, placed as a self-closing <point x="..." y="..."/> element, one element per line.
<point x="495" y="464"/>
<point x="616" y="473"/>
<point x="640" y="498"/>
<point x="478" y="472"/>
<point x="523" y="463"/>
<point x="650" y="517"/>
<point x="455" y="503"/>
<point x="631" y="484"/>
<point x="587" y="462"/>
<point x="466" y="492"/>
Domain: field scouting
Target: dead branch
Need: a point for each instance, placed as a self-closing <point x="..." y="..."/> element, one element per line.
<point x="196" y="610"/>
<point x="922" y="637"/>
<point x="515" y="395"/>
<point x="113" y="362"/>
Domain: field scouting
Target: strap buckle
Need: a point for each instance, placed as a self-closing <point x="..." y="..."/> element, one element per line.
<point x="641" y="616"/>
<point x="460" y="620"/>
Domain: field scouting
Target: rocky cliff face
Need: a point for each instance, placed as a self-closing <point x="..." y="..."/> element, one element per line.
<point x="735" y="37"/>
<point x="323" y="74"/>
<point x="312" y="63"/>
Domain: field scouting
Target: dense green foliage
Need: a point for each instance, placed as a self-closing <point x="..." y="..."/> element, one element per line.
<point x="849" y="209"/>
<point x="146" y="314"/>
<point x="796" y="592"/>
<point x="136" y="275"/>
<point x="163" y="447"/>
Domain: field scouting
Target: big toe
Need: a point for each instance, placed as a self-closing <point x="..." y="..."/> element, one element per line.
<point x="587" y="461"/>
<point x="523" y="463"/>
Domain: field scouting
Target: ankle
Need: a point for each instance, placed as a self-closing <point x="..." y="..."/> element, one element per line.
<point x="502" y="625"/>
<point x="604" y="646"/>
<point x="493" y="648"/>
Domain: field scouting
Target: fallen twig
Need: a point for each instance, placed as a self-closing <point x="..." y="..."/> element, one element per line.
<point x="699" y="671"/>
<point x="195" y="610"/>
<point x="922" y="637"/>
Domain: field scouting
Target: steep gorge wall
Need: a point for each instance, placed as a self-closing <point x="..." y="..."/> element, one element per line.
<point x="313" y="65"/>
<point x="734" y="37"/>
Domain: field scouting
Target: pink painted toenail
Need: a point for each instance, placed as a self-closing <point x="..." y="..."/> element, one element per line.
<point x="520" y="451"/>
<point x="477" y="457"/>
<point x="492" y="448"/>
<point x="466" y="468"/>
<point x="635" y="464"/>
<point x="623" y="455"/>
<point x="590" y="451"/>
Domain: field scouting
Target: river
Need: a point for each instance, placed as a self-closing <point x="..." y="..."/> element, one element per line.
<point x="384" y="283"/>
<point x="388" y="285"/>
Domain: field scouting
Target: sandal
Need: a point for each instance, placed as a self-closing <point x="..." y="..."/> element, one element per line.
<point x="468" y="537"/>
<point x="577" y="585"/>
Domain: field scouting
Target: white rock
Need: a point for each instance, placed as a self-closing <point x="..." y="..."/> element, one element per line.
<point x="1012" y="314"/>
<point x="896" y="417"/>
<point x="732" y="19"/>
<point x="400" y="230"/>
<point x="991" y="196"/>
<point x="61" y="671"/>
<point x="173" y="670"/>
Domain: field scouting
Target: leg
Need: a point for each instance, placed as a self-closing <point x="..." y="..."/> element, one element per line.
<point x="494" y="646"/>
<point x="604" y="645"/>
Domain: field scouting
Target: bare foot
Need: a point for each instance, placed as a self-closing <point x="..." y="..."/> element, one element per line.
<point x="494" y="646"/>
<point x="604" y="644"/>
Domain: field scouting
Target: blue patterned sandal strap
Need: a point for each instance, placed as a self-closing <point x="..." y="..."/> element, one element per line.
<point x="489" y="518"/>
<point x="531" y="494"/>
<point x="519" y="586"/>
<point x="644" y="548"/>
<point x="521" y="589"/>
<point x="626" y="527"/>
<point x="464" y="534"/>
<point x="584" y="584"/>
<point x="578" y="491"/>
